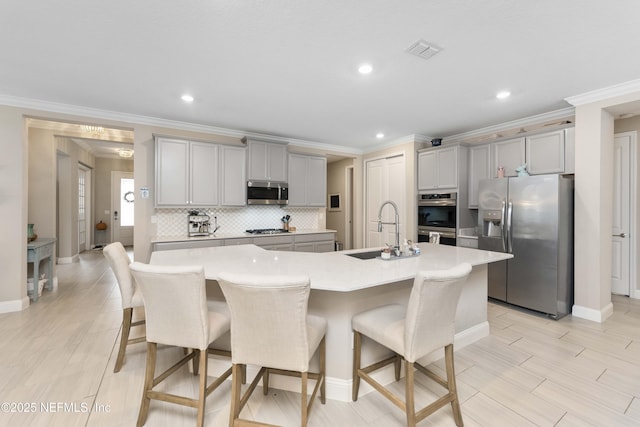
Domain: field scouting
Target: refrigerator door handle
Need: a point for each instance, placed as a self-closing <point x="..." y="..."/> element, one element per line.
<point x="503" y="215"/>
<point x="509" y="215"/>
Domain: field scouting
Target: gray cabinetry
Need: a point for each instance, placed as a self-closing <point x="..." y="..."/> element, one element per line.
<point x="467" y="242"/>
<point x="238" y="241"/>
<point x="232" y="176"/>
<point x="545" y="153"/>
<point x="203" y="174"/>
<point x="276" y="243"/>
<point x="307" y="180"/>
<point x="186" y="173"/>
<point x="267" y="161"/>
<point x="187" y="244"/>
<point x="190" y="173"/>
<point x="508" y="154"/>
<point x="479" y="168"/>
<point x="438" y="168"/>
<point x="317" y="242"/>
<point x="172" y="172"/>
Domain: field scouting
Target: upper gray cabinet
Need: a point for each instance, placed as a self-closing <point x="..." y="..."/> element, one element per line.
<point x="233" y="178"/>
<point x="267" y="161"/>
<point x="546" y="153"/>
<point x="190" y="173"/>
<point x="508" y="154"/>
<point x="438" y="168"/>
<point x="307" y="180"/>
<point x="186" y="173"/>
<point x="479" y="168"/>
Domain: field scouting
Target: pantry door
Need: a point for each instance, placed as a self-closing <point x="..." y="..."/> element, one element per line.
<point x="385" y="180"/>
<point x="621" y="235"/>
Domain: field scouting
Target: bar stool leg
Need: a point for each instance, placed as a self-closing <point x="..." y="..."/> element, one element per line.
<point x="451" y="383"/>
<point x="127" y="314"/>
<point x="152" y="349"/>
<point x="236" y="380"/>
<point x="203" y="359"/>
<point x="357" y="344"/>
<point x="410" y="404"/>
<point x="304" y="398"/>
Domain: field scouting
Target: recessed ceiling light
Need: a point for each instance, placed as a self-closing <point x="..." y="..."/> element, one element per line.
<point x="365" y="69"/>
<point x="503" y="94"/>
<point x="187" y="98"/>
<point x="380" y="135"/>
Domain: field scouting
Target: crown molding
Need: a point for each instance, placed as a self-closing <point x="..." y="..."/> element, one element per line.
<point x="94" y="113"/>
<point x="519" y="123"/>
<point x="413" y="138"/>
<point x="605" y="93"/>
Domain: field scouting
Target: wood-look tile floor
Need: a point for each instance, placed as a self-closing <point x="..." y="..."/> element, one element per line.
<point x="57" y="358"/>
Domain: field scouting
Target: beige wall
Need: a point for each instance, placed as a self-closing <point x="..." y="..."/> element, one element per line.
<point x="13" y="210"/>
<point x="42" y="182"/>
<point x="593" y="198"/>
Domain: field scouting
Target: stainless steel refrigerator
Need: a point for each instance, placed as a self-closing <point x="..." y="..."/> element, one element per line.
<point x="532" y="218"/>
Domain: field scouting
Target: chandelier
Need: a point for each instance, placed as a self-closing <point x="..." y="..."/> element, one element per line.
<point x="126" y="153"/>
<point x="93" y="130"/>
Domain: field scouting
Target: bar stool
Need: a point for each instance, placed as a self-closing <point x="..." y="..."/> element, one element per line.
<point x="178" y="315"/>
<point x="131" y="297"/>
<point x="270" y="328"/>
<point x="434" y="237"/>
<point x="412" y="332"/>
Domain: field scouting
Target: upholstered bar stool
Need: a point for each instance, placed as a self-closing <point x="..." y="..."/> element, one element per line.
<point x="426" y="324"/>
<point x="178" y="315"/>
<point x="270" y="328"/>
<point x="131" y="297"/>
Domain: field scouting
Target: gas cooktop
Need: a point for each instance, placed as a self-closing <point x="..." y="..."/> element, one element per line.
<point x="267" y="231"/>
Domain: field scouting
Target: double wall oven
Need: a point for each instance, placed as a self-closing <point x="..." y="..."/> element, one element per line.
<point x="437" y="213"/>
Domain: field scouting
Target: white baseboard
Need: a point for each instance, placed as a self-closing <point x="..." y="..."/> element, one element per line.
<point x="15" y="305"/>
<point x="69" y="260"/>
<point x="593" y="314"/>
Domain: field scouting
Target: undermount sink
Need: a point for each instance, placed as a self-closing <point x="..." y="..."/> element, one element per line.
<point x="376" y="254"/>
<point x="366" y="255"/>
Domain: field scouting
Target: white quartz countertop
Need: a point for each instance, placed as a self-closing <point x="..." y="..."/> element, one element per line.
<point x="238" y="235"/>
<point x="329" y="271"/>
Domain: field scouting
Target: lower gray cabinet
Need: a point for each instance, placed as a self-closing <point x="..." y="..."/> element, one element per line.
<point x="275" y="243"/>
<point x="190" y="244"/>
<point x="317" y="242"/>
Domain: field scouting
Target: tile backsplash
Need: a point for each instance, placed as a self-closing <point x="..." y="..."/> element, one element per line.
<point x="173" y="222"/>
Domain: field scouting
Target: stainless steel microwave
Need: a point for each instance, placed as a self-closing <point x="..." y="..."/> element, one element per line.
<point x="267" y="193"/>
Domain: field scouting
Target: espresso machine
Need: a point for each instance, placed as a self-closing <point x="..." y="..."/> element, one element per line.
<point x="199" y="224"/>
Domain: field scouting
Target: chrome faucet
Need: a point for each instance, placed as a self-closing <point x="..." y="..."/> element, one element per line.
<point x="397" y="221"/>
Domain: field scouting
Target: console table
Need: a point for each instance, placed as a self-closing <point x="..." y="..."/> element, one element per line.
<point x="39" y="249"/>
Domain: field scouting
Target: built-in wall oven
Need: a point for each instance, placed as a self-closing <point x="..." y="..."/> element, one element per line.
<point x="437" y="213"/>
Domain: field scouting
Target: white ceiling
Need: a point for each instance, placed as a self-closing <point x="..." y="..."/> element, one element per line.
<point x="289" y="68"/>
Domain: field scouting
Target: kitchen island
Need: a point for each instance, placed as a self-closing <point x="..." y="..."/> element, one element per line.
<point x="342" y="285"/>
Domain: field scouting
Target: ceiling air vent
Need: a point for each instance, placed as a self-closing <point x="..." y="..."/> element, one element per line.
<point x="423" y="49"/>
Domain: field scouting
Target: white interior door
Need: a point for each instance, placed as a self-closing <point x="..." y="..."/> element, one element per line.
<point x="385" y="181"/>
<point x="82" y="212"/>
<point x="620" y="233"/>
<point x="122" y="207"/>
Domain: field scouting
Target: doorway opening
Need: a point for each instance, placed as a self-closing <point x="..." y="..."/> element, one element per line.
<point x="122" y="207"/>
<point x="623" y="231"/>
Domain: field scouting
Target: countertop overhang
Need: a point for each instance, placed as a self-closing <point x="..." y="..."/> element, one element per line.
<point x="329" y="271"/>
